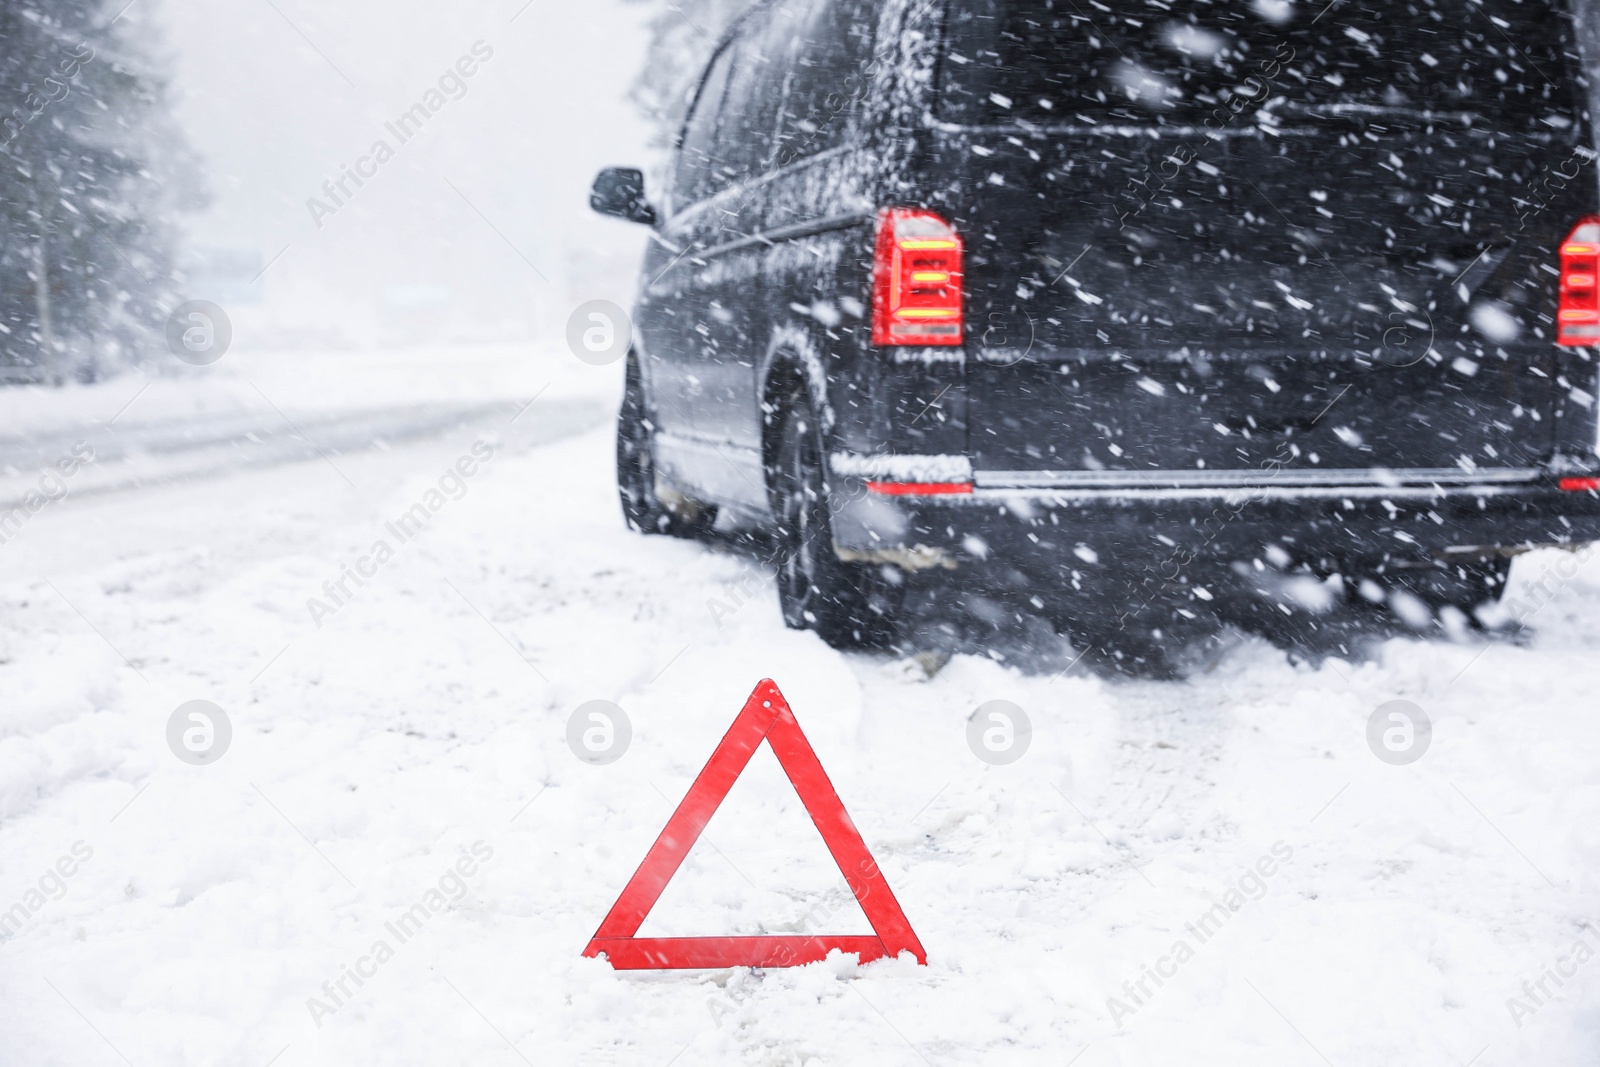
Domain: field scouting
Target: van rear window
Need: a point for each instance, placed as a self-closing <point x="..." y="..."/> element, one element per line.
<point x="1180" y="61"/>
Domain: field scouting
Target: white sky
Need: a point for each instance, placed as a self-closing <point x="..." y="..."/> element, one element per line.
<point x="272" y="119"/>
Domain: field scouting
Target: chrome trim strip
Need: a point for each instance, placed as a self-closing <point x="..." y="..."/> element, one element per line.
<point x="739" y="189"/>
<point x="793" y="231"/>
<point x="1283" y="478"/>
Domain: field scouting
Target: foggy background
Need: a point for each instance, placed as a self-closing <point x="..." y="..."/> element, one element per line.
<point x="276" y="96"/>
<point x="478" y="229"/>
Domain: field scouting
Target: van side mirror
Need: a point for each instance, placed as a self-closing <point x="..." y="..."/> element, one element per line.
<point x="619" y="192"/>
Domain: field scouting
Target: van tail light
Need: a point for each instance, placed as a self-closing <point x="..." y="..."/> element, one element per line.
<point x="916" y="279"/>
<point x="1580" y="485"/>
<point x="920" y="488"/>
<point x="1578" y="315"/>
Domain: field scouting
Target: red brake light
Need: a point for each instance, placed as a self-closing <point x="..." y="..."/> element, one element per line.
<point x="916" y="280"/>
<point x="1580" y="485"/>
<point x="1578" y="314"/>
<point x="919" y="488"/>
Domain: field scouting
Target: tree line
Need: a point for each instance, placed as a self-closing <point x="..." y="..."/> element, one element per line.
<point x="93" y="175"/>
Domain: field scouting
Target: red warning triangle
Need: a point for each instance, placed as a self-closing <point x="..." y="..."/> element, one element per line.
<point x="766" y="715"/>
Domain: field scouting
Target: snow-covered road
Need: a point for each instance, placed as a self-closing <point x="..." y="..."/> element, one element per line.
<point x="1213" y="871"/>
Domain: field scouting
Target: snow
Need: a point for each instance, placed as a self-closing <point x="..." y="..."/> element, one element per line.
<point x="1369" y="913"/>
<point x="255" y="408"/>
<point x="903" y="468"/>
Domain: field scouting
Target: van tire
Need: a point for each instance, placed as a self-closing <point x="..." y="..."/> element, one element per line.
<point x="637" y="483"/>
<point x="847" y="604"/>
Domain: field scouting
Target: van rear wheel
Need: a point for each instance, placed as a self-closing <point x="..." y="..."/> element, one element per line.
<point x="849" y="605"/>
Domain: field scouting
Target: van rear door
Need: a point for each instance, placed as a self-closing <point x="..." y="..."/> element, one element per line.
<point x="1212" y="238"/>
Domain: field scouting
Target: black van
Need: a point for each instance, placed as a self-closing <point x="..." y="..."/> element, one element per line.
<point x="1123" y="310"/>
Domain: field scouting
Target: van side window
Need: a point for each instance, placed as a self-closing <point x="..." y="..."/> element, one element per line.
<point x="827" y="76"/>
<point x="755" y="92"/>
<point x="694" y="178"/>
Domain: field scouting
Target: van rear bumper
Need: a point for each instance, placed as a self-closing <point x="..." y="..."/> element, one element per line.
<point x="1061" y="534"/>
